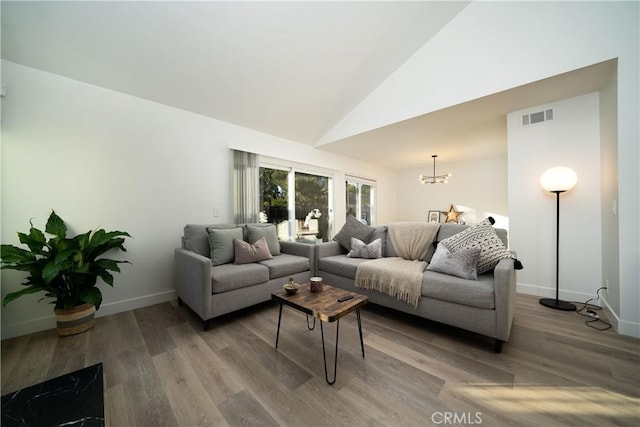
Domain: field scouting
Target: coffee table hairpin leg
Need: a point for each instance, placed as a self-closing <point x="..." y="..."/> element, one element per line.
<point x="324" y="354"/>
<point x="360" y="331"/>
<point x="279" y="318"/>
<point x="311" y="328"/>
<point x="335" y="360"/>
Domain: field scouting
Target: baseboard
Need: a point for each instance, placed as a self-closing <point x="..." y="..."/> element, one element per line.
<point x="629" y="328"/>
<point x="28" y="326"/>
<point x="49" y="322"/>
<point x="611" y="315"/>
<point x="544" y="292"/>
<point x="623" y="327"/>
<point x="133" y="303"/>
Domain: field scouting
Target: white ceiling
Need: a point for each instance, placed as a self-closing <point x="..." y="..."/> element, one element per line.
<point x="474" y="129"/>
<point x="290" y="69"/>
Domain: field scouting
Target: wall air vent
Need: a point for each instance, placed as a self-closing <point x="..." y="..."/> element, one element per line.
<point x="537" y="117"/>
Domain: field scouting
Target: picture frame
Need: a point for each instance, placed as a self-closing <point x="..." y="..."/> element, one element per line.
<point x="433" y="216"/>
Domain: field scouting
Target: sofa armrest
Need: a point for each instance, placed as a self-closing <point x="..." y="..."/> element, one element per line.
<point x="193" y="281"/>
<point x="326" y="249"/>
<point x="301" y="249"/>
<point x="505" y="297"/>
<point x="295" y="248"/>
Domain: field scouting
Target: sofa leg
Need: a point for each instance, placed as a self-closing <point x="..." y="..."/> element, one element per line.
<point x="205" y="325"/>
<point x="180" y="303"/>
<point x="498" y="346"/>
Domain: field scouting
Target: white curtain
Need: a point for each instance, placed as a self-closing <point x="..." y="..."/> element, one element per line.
<point x="246" y="187"/>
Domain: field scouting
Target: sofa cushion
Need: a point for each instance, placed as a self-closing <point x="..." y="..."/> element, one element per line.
<point x="268" y="231"/>
<point x="380" y="232"/>
<point x="483" y="236"/>
<point x="446" y="230"/>
<point x="286" y="265"/>
<point x="228" y="277"/>
<point x="461" y="263"/>
<point x="196" y="239"/>
<point x="360" y="249"/>
<point x="250" y="252"/>
<point x="474" y="293"/>
<point x="221" y="244"/>
<point x="353" y="228"/>
<point x="340" y="265"/>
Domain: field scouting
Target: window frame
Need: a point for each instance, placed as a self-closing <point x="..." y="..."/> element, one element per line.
<point x="292" y="168"/>
<point x="360" y="181"/>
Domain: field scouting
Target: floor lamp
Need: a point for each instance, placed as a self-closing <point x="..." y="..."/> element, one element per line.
<point x="558" y="180"/>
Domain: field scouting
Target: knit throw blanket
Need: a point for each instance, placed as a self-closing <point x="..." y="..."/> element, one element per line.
<point x="400" y="277"/>
<point x="411" y="240"/>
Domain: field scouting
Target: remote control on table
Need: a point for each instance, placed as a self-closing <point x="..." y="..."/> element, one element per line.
<point x="345" y="298"/>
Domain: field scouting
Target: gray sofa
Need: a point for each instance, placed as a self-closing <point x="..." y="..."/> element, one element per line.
<point x="485" y="306"/>
<point x="213" y="290"/>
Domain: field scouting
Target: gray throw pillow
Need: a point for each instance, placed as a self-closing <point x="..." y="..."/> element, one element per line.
<point x="246" y="252"/>
<point x="221" y="244"/>
<point x="380" y="232"/>
<point x="461" y="263"/>
<point x="196" y="239"/>
<point x="353" y="228"/>
<point x="360" y="249"/>
<point x="484" y="237"/>
<point x="268" y="231"/>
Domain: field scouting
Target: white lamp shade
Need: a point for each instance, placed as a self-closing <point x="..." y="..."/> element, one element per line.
<point x="558" y="179"/>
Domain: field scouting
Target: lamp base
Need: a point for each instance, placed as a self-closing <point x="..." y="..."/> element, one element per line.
<point x="557" y="304"/>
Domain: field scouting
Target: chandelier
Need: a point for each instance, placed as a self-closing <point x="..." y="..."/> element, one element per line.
<point x="434" y="179"/>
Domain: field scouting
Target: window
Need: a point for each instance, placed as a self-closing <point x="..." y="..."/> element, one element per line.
<point x="298" y="203"/>
<point x="274" y="199"/>
<point x="360" y="199"/>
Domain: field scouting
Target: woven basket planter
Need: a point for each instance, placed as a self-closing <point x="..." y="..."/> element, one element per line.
<point x="72" y="321"/>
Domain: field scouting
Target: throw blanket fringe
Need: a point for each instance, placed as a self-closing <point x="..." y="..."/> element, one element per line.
<point x="394" y="276"/>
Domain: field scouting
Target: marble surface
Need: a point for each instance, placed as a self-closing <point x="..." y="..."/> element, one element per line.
<point x="74" y="399"/>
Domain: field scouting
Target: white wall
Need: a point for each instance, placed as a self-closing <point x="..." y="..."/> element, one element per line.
<point x="609" y="196"/>
<point x="477" y="187"/>
<point x="571" y="139"/>
<point x="102" y="158"/>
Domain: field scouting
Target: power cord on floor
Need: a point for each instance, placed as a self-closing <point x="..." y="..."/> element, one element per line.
<point x="590" y="311"/>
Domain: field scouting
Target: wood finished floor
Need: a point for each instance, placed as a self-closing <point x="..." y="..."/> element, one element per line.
<point x="161" y="369"/>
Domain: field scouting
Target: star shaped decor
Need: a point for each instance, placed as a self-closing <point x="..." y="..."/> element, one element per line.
<point x="452" y="215"/>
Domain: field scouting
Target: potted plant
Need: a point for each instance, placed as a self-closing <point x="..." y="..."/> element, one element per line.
<point x="66" y="269"/>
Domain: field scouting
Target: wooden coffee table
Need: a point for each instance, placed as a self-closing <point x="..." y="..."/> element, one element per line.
<point x="326" y="307"/>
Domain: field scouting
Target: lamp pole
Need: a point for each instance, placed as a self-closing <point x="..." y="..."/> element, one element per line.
<point x="550" y="302"/>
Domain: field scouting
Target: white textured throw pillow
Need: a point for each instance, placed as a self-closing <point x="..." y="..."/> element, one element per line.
<point x="461" y="263"/>
<point x="484" y="237"/>
<point x="360" y="249"/>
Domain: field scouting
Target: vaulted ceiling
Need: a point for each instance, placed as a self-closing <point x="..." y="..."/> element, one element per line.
<point x="290" y="69"/>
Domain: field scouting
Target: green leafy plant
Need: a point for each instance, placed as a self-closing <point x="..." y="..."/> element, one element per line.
<point x="66" y="269"/>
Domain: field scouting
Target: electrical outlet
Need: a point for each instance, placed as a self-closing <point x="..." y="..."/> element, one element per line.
<point x="216" y="212"/>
